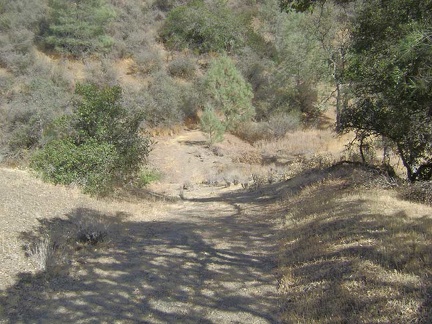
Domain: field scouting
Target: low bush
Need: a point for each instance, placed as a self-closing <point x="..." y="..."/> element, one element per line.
<point x="167" y="101"/>
<point x="147" y="61"/>
<point x="204" y="28"/>
<point x="276" y="127"/>
<point x="101" y="73"/>
<point x="252" y="132"/>
<point x="282" y="123"/>
<point x="182" y="67"/>
<point x="147" y="176"/>
<point x="91" y="230"/>
<point x="47" y="255"/>
<point x="90" y="165"/>
<point x="16" y="54"/>
<point x="53" y="245"/>
<point x="134" y="28"/>
<point x="97" y="147"/>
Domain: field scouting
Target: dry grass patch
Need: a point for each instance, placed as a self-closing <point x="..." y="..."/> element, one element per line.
<point x="355" y="255"/>
<point x="306" y="142"/>
<point x="52" y="246"/>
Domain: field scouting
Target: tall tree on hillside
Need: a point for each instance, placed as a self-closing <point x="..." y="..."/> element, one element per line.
<point x="301" y="65"/>
<point x="228" y="92"/>
<point x="332" y="24"/>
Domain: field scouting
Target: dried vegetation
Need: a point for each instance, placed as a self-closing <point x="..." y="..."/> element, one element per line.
<point x="352" y="252"/>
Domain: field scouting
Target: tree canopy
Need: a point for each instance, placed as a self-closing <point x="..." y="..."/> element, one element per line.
<point x="389" y="73"/>
<point x="390" y="70"/>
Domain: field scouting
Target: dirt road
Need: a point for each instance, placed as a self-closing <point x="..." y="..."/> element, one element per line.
<point x="209" y="258"/>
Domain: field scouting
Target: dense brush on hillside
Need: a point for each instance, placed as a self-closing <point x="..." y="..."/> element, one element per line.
<point x="158" y="52"/>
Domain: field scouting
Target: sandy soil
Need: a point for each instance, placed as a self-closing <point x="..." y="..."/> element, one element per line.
<point x="206" y="258"/>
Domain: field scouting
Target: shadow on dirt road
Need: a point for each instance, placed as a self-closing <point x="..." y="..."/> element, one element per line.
<point x="215" y="268"/>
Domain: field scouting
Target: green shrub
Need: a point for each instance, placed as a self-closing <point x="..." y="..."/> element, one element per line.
<point x="228" y="92"/>
<point x="97" y="147"/>
<point x="212" y="125"/>
<point x="89" y="165"/>
<point x="77" y="27"/>
<point x="285" y="78"/>
<point x="147" y="176"/>
<point x="204" y="28"/>
<point x="259" y="72"/>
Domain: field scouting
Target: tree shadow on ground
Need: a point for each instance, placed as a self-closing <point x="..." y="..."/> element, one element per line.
<point x="340" y="261"/>
<point x="194" y="143"/>
<point x="345" y="262"/>
<point x="212" y="270"/>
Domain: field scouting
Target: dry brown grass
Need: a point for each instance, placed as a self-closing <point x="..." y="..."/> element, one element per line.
<point x="350" y="254"/>
<point x="306" y="142"/>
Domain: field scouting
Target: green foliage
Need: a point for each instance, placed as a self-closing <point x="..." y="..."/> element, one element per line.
<point x="147" y="176"/>
<point x="228" y="92"/>
<point x="204" y="28"/>
<point x="212" y="125"/>
<point x="391" y="68"/>
<point x="97" y="147"/>
<point x="77" y="27"/>
<point x="306" y="5"/>
<point x="286" y="81"/>
<point x="301" y="65"/>
<point x="88" y="165"/>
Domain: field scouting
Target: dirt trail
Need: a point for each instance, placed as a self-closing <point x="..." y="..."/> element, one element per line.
<point x="208" y="258"/>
